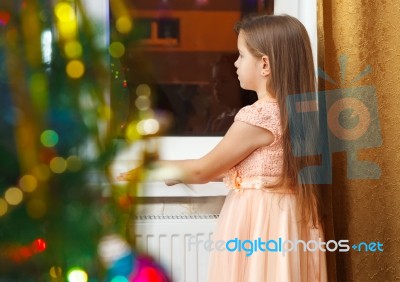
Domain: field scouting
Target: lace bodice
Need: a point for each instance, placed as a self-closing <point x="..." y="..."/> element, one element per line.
<point x="267" y="160"/>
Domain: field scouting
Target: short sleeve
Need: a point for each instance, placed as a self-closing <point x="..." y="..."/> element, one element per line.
<point x="264" y="115"/>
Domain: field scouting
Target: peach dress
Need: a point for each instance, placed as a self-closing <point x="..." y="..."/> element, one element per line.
<point x="252" y="210"/>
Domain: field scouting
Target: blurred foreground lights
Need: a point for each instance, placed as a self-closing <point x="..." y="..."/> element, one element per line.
<point x="117" y="49"/>
<point x="3" y="207"/>
<point x="64" y="12"/>
<point x="131" y="132"/>
<point x="28" y="183"/>
<point x="148" y="127"/>
<point x="39" y="245"/>
<point x="77" y="275"/>
<point x="112" y="248"/>
<point x="149" y="274"/>
<point x="123" y="24"/>
<point x="142" y="103"/>
<point x="49" y="138"/>
<point x="124" y="202"/>
<point x="119" y="278"/>
<point x="55" y="272"/>
<point x="73" y="49"/>
<point x="75" y="69"/>
<point x="4" y="18"/>
<point x="67" y="23"/>
<point x="13" y="196"/>
<point x="74" y="163"/>
<point x="36" y="208"/>
<point x="46" y="42"/>
<point x="58" y="165"/>
<point x="143" y="90"/>
<point x="68" y="29"/>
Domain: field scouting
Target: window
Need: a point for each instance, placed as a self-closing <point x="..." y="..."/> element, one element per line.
<point x="183" y="51"/>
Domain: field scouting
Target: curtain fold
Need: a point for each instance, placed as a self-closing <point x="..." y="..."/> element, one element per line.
<point x="359" y="51"/>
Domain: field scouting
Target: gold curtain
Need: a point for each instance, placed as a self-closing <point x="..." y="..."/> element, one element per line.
<point x="354" y="34"/>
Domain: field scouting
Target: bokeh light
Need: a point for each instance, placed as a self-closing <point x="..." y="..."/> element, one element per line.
<point x="36" y="208"/>
<point x="119" y="279"/>
<point x="75" y="69"/>
<point x="47" y="46"/>
<point x="3" y="207"/>
<point x="49" y="138"/>
<point x="74" y="163"/>
<point x="117" y="49"/>
<point x="131" y="132"/>
<point x="125" y="202"/>
<point x="55" y="272"/>
<point x="143" y="90"/>
<point x="13" y="196"/>
<point x="73" y="49"/>
<point x="149" y="273"/>
<point x="28" y="183"/>
<point x="39" y="245"/>
<point x="123" y="24"/>
<point x="4" y="18"/>
<point x="58" y="165"/>
<point x="64" y="12"/>
<point x="148" y="127"/>
<point x="77" y="275"/>
<point x="68" y="29"/>
<point x="142" y="103"/>
<point x="67" y="24"/>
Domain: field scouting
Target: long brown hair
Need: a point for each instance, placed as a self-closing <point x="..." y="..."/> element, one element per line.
<point x="286" y="43"/>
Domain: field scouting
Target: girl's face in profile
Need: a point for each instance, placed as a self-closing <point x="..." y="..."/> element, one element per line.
<point x="248" y="66"/>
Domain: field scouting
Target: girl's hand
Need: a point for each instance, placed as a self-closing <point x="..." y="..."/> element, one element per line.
<point x="132" y="175"/>
<point x="168" y="174"/>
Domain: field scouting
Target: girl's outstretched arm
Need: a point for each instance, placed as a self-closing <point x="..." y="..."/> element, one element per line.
<point x="239" y="142"/>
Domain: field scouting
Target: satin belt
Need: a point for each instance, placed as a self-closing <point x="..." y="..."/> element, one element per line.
<point x="265" y="183"/>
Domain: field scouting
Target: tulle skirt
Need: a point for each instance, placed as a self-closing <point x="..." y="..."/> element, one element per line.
<point x="269" y="221"/>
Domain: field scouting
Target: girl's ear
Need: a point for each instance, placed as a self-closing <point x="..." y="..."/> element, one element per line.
<point x="266" y="70"/>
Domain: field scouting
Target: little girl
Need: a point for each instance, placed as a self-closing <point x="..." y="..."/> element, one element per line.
<point x="267" y="203"/>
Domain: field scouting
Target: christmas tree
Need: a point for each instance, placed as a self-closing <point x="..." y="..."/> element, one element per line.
<point x="59" y="221"/>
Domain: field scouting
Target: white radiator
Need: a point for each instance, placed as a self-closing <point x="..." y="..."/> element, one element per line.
<point x="166" y="239"/>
